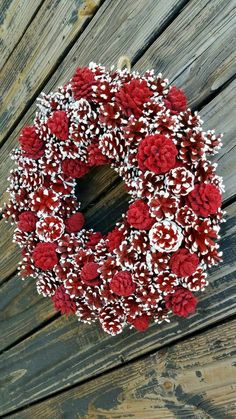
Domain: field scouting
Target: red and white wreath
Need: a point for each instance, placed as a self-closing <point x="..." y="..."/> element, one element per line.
<point x="155" y="259"/>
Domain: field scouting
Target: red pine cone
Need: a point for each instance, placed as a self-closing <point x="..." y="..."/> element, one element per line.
<point x="44" y="256"/>
<point x="46" y="284"/>
<point x="74" y="168"/>
<point x="112" y="319"/>
<point x="44" y="200"/>
<point x="156" y="153"/>
<point x="205" y="199"/>
<point x="192" y="146"/>
<point x="93" y="239"/>
<point x="58" y="124"/>
<point x="122" y="284"/>
<point x="114" y="238"/>
<point x="27" y="221"/>
<point x="163" y="205"/>
<point x="74" y="223"/>
<point x="109" y="114"/>
<point x="63" y="302"/>
<point x="138" y="215"/>
<point x="95" y="156"/>
<point x="185" y="216"/>
<point x="50" y="228"/>
<point x="176" y="100"/>
<point x="89" y="274"/>
<point x="182" y="302"/>
<point x="132" y="96"/>
<point x="31" y="144"/>
<point x="141" y="323"/>
<point x="183" y="263"/>
<point x="82" y="82"/>
<point x="166" y="282"/>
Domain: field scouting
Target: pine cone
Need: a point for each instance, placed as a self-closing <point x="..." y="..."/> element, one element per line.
<point x="58" y="124"/>
<point x="82" y="82"/>
<point x="132" y="96"/>
<point x="47" y="284"/>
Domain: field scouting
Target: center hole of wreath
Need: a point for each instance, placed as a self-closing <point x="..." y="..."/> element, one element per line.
<point x="103" y="198"/>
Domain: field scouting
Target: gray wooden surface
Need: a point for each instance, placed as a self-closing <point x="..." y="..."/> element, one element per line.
<point x="43" y="354"/>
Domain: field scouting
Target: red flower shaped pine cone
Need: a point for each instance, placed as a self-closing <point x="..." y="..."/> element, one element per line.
<point x="89" y="274"/>
<point x="27" y="221"/>
<point x="205" y="199"/>
<point x="176" y="100"/>
<point x="114" y="239"/>
<point x="155" y="259"/>
<point x="122" y="284"/>
<point x="45" y="256"/>
<point x="183" y="263"/>
<point x="74" y="223"/>
<point x="141" y="323"/>
<point x="74" y="168"/>
<point x="138" y="215"/>
<point x="157" y="153"/>
<point x="63" y="302"/>
<point x="132" y="96"/>
<point x="182" y="302"/>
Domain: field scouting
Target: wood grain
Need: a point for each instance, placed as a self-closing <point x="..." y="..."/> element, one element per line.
<point x="15" y="17"/>
<point x="53" y="31"/>
<point x="65" y="352"/>
<point x="197" y="50"/>
<point x="21" y="310"/>
<point x="10" y="252"/>
<point x="193" y="379"/>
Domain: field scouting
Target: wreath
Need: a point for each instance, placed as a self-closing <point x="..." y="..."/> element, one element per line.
<point x="155" y="259"/>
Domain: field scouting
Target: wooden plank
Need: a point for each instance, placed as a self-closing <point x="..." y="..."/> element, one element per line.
<point x="216" y="113"/>
<point x="65" y="352"/>
<point x="15" y="16"/>
<point x="21" y="310"/>
<point x="192" y="379"/>
<point x="54" y="29"/>
<point x="10" y="252"/>
<point x="198" y="56"/>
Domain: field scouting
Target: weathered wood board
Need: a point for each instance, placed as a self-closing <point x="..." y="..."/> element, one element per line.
<point x="44" y="355"/>
<point x="15" y="17"/>
<point x="193" y="379"/>
<point x="21" y="311"/>
<point x="66" y="352"/>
